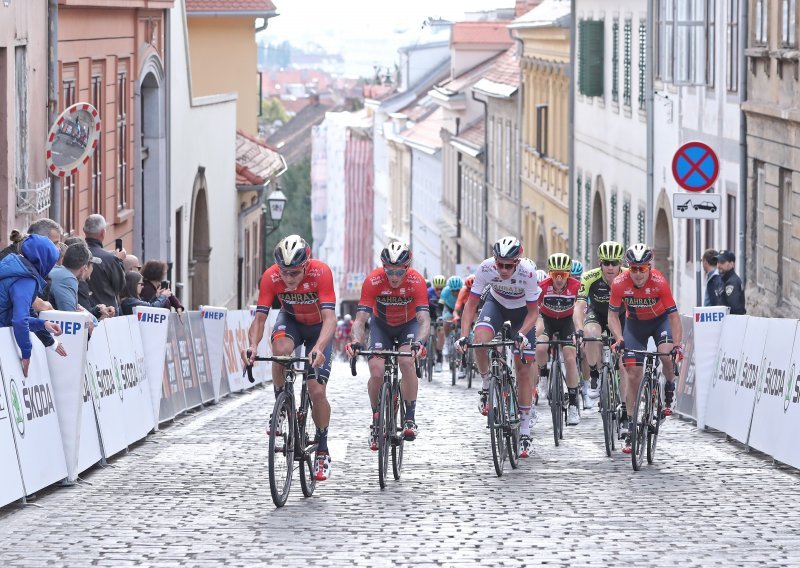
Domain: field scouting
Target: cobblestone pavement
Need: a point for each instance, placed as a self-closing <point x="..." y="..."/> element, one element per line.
<point x="199" y="495"/>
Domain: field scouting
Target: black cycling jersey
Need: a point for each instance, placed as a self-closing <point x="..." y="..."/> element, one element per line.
<point x="595" y="290"/>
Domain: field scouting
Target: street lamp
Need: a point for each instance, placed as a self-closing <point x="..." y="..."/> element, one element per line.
<point x="277" y="202"/>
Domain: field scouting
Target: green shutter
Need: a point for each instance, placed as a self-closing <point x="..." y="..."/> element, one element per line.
<point x="590" y="64"/>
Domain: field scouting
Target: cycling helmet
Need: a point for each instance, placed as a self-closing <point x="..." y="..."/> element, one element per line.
<point x="577" y="268"/>
<point x="347" y="317"/>
<point x="541" y="275"/>
<point x="610" y="250"/>
<point x="428" y="283"/>
<point x="507" y="248"/>
<point x="559" y="261"/>
<point x="639" y="253"/>
<point x="455" y="282"/>
<point x="396" y="253"/>
<point x="469" y="281"/>
<point x="292" y="251"/>
<point x="439" y="281"/>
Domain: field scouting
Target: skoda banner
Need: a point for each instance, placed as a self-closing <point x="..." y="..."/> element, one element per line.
<point x="107" y="391"/>
<point x="185" y="362"/>
<point x="153" y="328"/>
<point x="66" y="377"/>
<point x="235" y="341"/>
<point x="200" y="346"/>
<point x="10" y="477"/>
<point x="686" y="403"/>
<point x="32" y="412"/>
<point x="787" y="447"/>
<point x="724" y="380"/>
<point x="89" y="450"/>
<point x="706" y="333"/>
<point x="173" y="399"/>
<point x="214" y="326"/>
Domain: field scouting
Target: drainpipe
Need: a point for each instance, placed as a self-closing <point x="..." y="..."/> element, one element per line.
<point x="743" y="33"/>
<point x="485" y="174"/>
<point x="458" y="198"/>
<point x="648" y="80"/>
<point x="518" y="141"/>
<point x="571" y="127"/>
<point x="52" y="98"/>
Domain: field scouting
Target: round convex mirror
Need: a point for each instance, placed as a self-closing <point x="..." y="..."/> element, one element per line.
<point x="72" y="139"/>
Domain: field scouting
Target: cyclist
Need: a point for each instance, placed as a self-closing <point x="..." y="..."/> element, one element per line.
<point x="434" y="296"/>
<point x="463" y="295"/>
<point x="304" y="287"/>
<point x="395" y="301"/>
<point x="556" y="304"/>
<point x="651" y="312"/>
<point x="576" y="269"/>
<point x="513" y="295"/>
<point x="448" y="303"/>
<point x="591" y="312"/>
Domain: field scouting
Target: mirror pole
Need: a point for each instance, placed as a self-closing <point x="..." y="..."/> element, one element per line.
<point x="52" y="103"/>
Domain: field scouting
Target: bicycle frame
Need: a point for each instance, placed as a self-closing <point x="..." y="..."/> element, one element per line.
<point x="557" y="382"/>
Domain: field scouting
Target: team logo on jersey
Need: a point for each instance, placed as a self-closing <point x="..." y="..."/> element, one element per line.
<point x="314" y="273"/>
<point x="375" y="280"/>
<point x="641" y="302"/>
<point x="647" y="290"/>
<point x="306" y="285"/>
<point x="729" y="289"/>
<point x="299" y="298"/>
<point x="395" y="300"/>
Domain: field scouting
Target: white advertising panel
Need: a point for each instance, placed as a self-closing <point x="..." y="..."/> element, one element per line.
<point x="106" y="391"/>
<point x="261" y="370"/>
<point x="197" y="336"/>
<point x="686" y="391"/>
<point x="774" y="383"/>
<point x="724" y="381"/>
<point x="153" y="328"/>
<point x="787" y="446"/>
<point x="33" y="414"/>
<point x="706" y="333"/>
<point x="214" y="325"/>
<point x="236" y="340"/>
<point x="10" y="477"/>
<point x="89" y="451"/>
<point x="66" y="377"/>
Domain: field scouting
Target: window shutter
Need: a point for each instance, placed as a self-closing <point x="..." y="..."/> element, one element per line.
<point x="592" y="49"/>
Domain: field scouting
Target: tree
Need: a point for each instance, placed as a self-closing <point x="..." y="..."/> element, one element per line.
<point x="272" y="109"/>
<point x="296" y="185"/>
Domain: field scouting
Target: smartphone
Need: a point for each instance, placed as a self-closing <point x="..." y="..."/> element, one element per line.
<point x="118" y="244"/>
<point x="164" y="284"/>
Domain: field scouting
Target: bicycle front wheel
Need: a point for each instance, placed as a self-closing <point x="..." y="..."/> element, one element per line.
<point x="606" y="411"/>
<point x="655" y="423"/>
<point x="398" y="412"/>
<point x="470" y="367"/>
<point x="384" y="433"/>
<point x="641" y="424"/>
<point x="512" y="424"/>
<point x="556" y="406"/>
<point x="282" y="427"/>
<point x="308" y="481"/>
<point x="496" y="425"/>
<point x="431" y="358"/>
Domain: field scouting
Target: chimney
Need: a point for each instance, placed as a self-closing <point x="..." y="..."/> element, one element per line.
<point x="525" y="6"/>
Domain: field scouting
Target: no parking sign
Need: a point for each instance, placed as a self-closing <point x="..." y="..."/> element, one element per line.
<point x="695" y="166"/>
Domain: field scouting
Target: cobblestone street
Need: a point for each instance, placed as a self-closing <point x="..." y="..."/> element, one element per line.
<point x="197" y="493"/>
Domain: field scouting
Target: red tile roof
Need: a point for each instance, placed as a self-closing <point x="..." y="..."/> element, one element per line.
<point x="256" y="161"/>
<point x="232" y="6"/>
<point x="474" y="134"/>
<point x="427" y="132"/>
<point x="469" y="77"/>
<point x="481" y="32"/>
<point x="505" y="69"/>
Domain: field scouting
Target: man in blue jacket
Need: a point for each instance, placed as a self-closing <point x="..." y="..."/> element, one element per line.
<point x="22" y="278"/>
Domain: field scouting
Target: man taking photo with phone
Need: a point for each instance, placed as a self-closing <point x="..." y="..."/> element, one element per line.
<point x="107" y="279"/>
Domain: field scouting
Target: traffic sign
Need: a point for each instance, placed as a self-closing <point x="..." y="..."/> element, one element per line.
<point x="695" y="166"/>
<point x="706" y="206"/>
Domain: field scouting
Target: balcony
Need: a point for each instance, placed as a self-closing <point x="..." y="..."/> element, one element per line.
<point x="33" y="199"/>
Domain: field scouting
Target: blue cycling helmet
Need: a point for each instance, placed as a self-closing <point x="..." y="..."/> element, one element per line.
<point x="455" y="283"/>
<point x="577" y="268"/>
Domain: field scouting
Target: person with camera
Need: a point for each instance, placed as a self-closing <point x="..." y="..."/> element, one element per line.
<point x="154" y="273"/>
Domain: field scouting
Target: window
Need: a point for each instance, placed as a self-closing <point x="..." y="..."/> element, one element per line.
<point x="21" y="103"/>
<point x="784" y="267"/>
<point x="492" y="144"/>
<point x="690" y="46"/>
<point x="591" y="36"/>
<point x="615" y="61"/>
<point x="122" y="136"/>
<point x="588" y="219"/>
<point x="68" y="195"/>
<point x="626" y="223"/>
<point x="761" y="22"/>
<point x="730" y="228"/>
<point x="640" y="223"/>
<point x="665" y="28"/>
<point x="97" y="158"/>
<point x="626" y="63"/>
<point x="613" y="214"/>
<point x="709" y="224"/>
<point x="756" y="228"/>
<point x="642" y="61"/>
<point x="541" y="130"/>
<point x="711" y="51"/>
<point x="507" y="155"/>
<point x="732" y="51"/>
<point x="579" y="229"/>
<point x="789" y="23"/>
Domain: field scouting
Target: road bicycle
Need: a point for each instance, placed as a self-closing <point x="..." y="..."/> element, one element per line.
<point x="289" y="440"/>
<point x="429" y="361"/>
<point x="647" y="412"/>
<point x="391" y="409"/>
<point x="610" y="400"/>
<point x="557" y="383"/>
<point x="504" y="415"/>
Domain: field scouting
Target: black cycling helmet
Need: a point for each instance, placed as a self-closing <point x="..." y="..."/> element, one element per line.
<point x="292" y="251"/>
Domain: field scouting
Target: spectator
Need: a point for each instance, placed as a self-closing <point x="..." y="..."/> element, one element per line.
<point x="64" y="279"/>
<point x="21" y="279"/>
<point x="107" y="279"/>
<point x="45" y="227"/>
<point x="131" y="263"/>
<point x="712" y="278"/>
<point x="154" y="272"/>
<point x="730" y="290"/>
<point x="131" y="294"/>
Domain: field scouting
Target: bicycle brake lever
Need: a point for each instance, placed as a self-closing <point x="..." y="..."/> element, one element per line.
<point x="248" y="369"/>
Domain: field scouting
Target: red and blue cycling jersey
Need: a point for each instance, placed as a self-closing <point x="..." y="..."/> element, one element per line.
<point x="306" y="302"/>
<point x="558" y="304"/>
<point x="393" y="306"/>
<point x="653" y="299"/>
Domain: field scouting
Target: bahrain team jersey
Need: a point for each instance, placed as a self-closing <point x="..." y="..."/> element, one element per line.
<point x="394" y="306"/>
<point x="306" y="302"/>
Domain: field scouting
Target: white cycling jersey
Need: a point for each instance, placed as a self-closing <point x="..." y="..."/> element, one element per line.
<point x="516" y="291"/>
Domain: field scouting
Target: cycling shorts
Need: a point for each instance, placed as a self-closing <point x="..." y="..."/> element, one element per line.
<point x="601" y="319"/>
<point x="381" y="335"/>
<point x="636" y="334"/>
<point x="306" y="335"/>
<point x="447" y="314"/>
<point x="493" y="315"/>
<point x="564" y="327"/>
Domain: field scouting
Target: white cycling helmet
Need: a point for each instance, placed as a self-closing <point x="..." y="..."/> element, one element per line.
<point x="292" y="251"/>
<point x="541" y="275"/>
<point x="396" y="253"/>
<point x="507" y="248"/>
<point x="639" y="253"/>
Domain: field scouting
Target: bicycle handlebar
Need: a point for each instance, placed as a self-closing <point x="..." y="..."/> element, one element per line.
<point x="385" y="354"/>
<point x="284" y="360"/>
<point x="658" y="354"/>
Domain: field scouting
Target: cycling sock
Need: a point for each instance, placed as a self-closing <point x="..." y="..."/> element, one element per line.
<point x="411" y="406"/>
<point x="594" y="374"/>
<point x="543" y="371"/>
<point x="438" y="356"/>
<point x="573" y="396"/>
<point x="485" y="381"/>
<point x="322" y="440"/>
<point x="525" y="420"/>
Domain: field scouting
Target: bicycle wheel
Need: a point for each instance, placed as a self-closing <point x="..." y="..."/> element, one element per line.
<point x="615" y="405"/>
<point x="282" y="428"/>
<point x="512" y="427"/>
<point x="606" y="411"/>
<point x="453" y="359"/>
<point x="641" y="424"/>
<point x="496" y="425"/>
<point x="554" y="399"/>
<point x="398" y="440"/>
<point x="308" y="482"/>
<point x="470" y="367"/>
<point x="384" y="433"/>
<point x="655" y="423"/>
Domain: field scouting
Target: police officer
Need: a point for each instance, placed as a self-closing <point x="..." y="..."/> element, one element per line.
<point x="730" y="291"/>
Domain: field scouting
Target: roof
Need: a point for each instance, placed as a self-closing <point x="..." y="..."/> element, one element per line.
<point x="548" y="14"/>
<point x="474" y="134"/>
<point x="426" y="134"/>
<point x="230" y="6"/>
<point x="481" y="33"/>
<point x="256" y="161"/>
<point x="469" y="77"/>
<point x="293" y="139"/>
<point x="502" y="79"/>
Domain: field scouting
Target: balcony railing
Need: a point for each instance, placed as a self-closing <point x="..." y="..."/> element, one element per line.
<point x="33" y="199"/>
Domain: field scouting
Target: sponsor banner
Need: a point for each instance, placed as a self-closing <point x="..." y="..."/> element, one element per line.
<point x="32" y="413"/>
<point x="200" y="345"/>
<point x="107" y="391"/>
<point x="173" y="399"/>
<point x="186" y="361"/>
<point x="262" y="371"/>
<point x="686" y="392"/>
<point x="153" y="328"/>
<point x="775" y="388"/>
<point x="11" y="487"/>
<point x="707" y="331"/>
<point x="235" y="341"/>
<point x="787" y="450"/>
<point x="89" y="451"/>
<point x="214" y="326"/>
<point x="727" y="365"/>
<point x="66" y="377"/>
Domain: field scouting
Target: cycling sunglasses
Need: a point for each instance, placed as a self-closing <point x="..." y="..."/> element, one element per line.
<point x="505" y="265"/>
<point x="292" y="273"/>
<point x="640" y="269"/>
<point x="395" y="271"/>
<point x="559" y="273"/>
<point x="609" y="262"/>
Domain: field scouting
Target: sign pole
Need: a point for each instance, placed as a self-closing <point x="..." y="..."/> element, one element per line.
<point x="697" y="261"/>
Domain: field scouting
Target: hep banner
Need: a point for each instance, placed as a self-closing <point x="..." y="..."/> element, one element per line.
<point x="173" y="398"/>
<point x="198" y="338"/>
<point x="214" y="327"/>
<point x="185" y="361"/>
<point x="707" y="329"/>
<point x="153" y="330"/>
<point x="686" y="392"/>
<point x="10" y="477"/>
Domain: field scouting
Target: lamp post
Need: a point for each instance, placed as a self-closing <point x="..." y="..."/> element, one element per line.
<point x="276" y="202"/>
